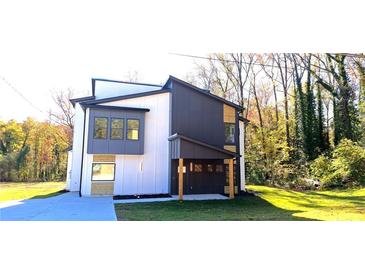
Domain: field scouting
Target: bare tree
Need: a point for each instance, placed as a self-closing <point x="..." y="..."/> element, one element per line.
<point x="282" y="62"/>
<point x="64" y="115"/>
<point x="268" y="66"/>
<point x="132" y="76"/>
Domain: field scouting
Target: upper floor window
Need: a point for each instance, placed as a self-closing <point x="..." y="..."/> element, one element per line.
<point x="132" y="129"/>
<point x="100" y="128"/>
<point x="229" y="133"/>
<point x="117" y="129"/>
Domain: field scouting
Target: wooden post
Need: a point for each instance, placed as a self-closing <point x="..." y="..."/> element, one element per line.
<point x="231" y="185"/>
<point x="181" y="174"/>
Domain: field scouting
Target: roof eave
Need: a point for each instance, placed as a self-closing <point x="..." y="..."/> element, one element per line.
<point x="114" y="108"/>
<point x="222" y="150"/>
<point x="123" y="97"/>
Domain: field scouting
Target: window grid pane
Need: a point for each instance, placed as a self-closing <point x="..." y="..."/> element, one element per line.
<point x="133" y="129"/>
<point x="198" y="168"/>
<point x="229" y="133"/>
<point x="117" y="128"/>
<point x="219" y="168"/>
<point x="100" y="128"/>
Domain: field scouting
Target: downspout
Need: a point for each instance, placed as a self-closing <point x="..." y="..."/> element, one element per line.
<point x="83" y="144"/>
<point x="238" y="150"/>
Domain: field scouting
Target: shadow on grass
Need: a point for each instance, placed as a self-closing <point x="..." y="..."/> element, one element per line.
<point x="52" y="194"/>
<point x="344" y="197"/>
<point x="248" y="208"/>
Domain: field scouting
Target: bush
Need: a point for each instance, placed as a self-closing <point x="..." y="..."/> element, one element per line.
<point x="345" y="168"/>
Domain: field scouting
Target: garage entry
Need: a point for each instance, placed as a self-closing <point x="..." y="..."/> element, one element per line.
<point x="203" y="166"/>
<point x="201" y="176"/>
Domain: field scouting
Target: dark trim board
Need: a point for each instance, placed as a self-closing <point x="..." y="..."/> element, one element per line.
<point x="143" y="196"/>
<point x="93" y="80"/>
<point x="246" y="121"/>
<point x="114" y="107"/>
<point x="122" y="97"/>
<point x="81" y="99"/>
<point x="125" y="82"/>
<point x="238" y="159"/>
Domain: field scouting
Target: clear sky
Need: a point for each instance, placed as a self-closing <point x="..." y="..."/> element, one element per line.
<point x="49" y="47"/>
<point x="37" y="75"/>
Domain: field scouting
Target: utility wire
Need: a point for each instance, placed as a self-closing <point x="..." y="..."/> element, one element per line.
<point x="25" y="98"/>
<point x="248" y="63"/>
<point x="20" y="94"/>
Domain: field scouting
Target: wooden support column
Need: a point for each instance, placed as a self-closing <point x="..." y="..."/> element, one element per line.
<point x="231" y="184"/>
<point x="181" y="173"/>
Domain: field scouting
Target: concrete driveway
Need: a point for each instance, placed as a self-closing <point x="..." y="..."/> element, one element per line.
<point x="64" y="207"/>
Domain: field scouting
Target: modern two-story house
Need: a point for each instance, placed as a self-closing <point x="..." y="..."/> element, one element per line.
<point x="142" y="139"/>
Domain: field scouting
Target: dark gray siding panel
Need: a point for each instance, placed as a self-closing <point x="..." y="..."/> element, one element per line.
<point x="187" y="150"/>
<point x="197" y="116"/>
<point x="192" y="151"/>
<point x="175" y="149"/>
<point x="108" y="146"/>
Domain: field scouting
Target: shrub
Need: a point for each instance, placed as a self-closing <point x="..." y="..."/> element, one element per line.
<point x="345" y="168"/>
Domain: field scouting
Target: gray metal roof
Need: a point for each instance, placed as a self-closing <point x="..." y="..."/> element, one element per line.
<point x="188" y="148"/>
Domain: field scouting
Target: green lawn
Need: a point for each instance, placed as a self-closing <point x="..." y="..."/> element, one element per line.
<point x="22" y="191"/>
<point x="272" y="204"/>
<point x="335" y="205"/>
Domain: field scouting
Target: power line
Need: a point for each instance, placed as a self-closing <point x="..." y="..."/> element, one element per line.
<point x="248" y="63"/>
<point x="20" y="94"/>
<point x="25" y="98"/>
<point x="217" y="59"/>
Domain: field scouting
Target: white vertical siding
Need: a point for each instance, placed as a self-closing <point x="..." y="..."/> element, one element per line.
<point x="69" y="170"/>
<point x="74" y="180"/>
<point x="87" y="162"/>
<point x="242" y="152"/>
<point x="147" y="173"/>
<point x="150" y="169"/>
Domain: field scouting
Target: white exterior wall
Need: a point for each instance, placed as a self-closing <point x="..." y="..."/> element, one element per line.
<point x="74" y="177"/>
<point x="140" y="174"/>
<point x="68" y="174"/>
<point x="242" y="152"/>
<point x="87" y="162"/>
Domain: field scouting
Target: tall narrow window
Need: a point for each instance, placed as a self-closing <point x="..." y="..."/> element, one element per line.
<point x="117" y="129"/>
<point x="132" y="129"/>
<point x="229" y="133"/>
<point x="100" y="128"/>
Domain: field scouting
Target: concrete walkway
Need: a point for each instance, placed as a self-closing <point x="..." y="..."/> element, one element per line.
<point x="64" y="207"/>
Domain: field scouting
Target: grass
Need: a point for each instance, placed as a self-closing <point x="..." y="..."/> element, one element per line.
<point x="240" y="209"/>
<point x="36" y="190"/>
<point x="272" y="204"/>
<point x="335" y="205"/>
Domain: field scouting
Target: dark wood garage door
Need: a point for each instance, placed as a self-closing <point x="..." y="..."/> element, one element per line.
<point x="201" y="177"/>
